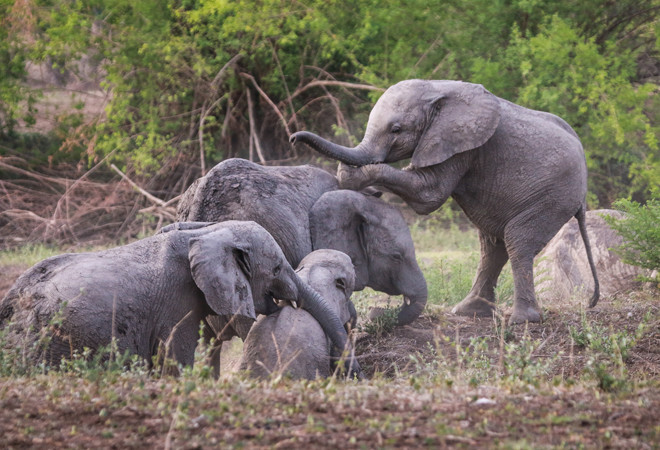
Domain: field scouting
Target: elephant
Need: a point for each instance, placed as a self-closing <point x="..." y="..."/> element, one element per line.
<point x="303" y="210"/>
<point x="290" y="341"/>
<point x="158" y="290"/>
<point x="518" y="174"/>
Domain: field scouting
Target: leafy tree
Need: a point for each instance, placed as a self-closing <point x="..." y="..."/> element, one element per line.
<point x="194" y="81"/>
<point x="566" y="74"/>
<point x="640" y="232"/>
<point x="13" y="93"/>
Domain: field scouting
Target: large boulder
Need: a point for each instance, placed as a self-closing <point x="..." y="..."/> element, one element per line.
<point x="562" y="270"/>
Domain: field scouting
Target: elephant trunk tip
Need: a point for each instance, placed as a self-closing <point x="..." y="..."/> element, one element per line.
<point x="412" y="308"/>
<point x="295" y="137"/>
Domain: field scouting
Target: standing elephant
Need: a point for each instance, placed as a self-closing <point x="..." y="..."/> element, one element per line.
<point x="157" y="290"/>
<point x="303" y="210"/>
<point x="290" y="341"/>
<point x="518" y="174"/>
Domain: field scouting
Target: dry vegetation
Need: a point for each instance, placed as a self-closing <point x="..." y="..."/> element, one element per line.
<point x="580" y="379"/>
<point x="65" y="206"/>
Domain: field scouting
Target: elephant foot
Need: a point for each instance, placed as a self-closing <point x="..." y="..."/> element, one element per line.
<point x="353" y="178"/>
<point x="474" y="306"/>
<point x="525" y="312"/>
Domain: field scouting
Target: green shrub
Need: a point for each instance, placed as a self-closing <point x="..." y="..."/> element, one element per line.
<point x="640" y="232"/>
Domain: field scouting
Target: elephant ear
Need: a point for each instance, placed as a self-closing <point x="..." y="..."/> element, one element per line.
<point x="221" y="269"/>
<point x="462" y="116"/>
<point x="339" y="221"/>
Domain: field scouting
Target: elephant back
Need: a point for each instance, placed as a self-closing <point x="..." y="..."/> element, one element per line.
<point x="277" y="198"/>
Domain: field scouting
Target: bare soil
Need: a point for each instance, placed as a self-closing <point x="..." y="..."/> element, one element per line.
<point x="391" y="410"/>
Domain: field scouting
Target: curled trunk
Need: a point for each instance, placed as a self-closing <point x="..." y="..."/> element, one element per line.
<point x="412" y="308"/>
<point x="313" y="303"/>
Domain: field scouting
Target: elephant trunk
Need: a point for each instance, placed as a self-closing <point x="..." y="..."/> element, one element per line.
<point x="352" y="322"/>
<point x="313" y="303"/>
<point x="411" y="309"/>
<point x="353" y="156"/>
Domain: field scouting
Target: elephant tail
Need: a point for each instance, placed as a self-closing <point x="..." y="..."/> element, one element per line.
<point x="582" y="223"/>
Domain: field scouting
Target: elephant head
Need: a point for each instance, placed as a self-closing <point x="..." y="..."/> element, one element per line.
<point x="377" y="239"/>
<point x="428" y="121"/>
<point x="332" y="275"/>
<point x="242" y="272"/>
<point x="290" y="342"/>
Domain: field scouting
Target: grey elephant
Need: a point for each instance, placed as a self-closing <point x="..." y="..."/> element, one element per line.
<point x="518" y="174"/>
<point x="303" y="210"/>
<point x="158" y="290"/>
<point x="290" y="341"/>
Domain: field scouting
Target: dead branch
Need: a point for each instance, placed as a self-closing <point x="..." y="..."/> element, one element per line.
<point x="150" y="197"/>
<point x="268" y="100"/>
<point x="344" y="84"/>
<point x="206" y="111"/>
<point x="253" y="135"/>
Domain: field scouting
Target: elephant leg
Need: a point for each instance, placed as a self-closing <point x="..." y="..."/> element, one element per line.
<point x="480" y="301"/>
<point x="525" y="307"/>
<point x="424" y="189"/>
<point x="211" y="339"/>
<point x="182" y="341"/>
<point x="522" y="247"/>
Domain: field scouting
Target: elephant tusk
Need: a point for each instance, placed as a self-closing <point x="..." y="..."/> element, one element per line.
<point x="283" y="303"/>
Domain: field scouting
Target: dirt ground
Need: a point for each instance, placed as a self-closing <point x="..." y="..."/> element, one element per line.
<point x="389" y="411"/>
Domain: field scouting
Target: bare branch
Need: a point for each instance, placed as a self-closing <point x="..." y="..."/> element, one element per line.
<point x="205" y="111"/>
<point x="268" y="100"/>
<point x="253" y="134"/>
<point x="344" y="84"/>
<point x="150" y="197"/>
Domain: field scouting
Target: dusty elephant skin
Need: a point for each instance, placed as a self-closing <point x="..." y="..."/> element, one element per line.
<point x="518" y="174"/>
<point x="290" y="341"/>
<point x="303" y="209"/>
<point x="157" y="290"/>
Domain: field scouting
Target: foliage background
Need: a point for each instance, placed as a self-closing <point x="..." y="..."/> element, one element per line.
<point x="191" y="82"/>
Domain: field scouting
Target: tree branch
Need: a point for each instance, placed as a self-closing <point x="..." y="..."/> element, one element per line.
<point x="268" y="100"/>
<point x="150" y="197"/>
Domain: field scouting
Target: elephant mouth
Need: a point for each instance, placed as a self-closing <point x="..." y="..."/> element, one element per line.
<point x="275" y="304"/>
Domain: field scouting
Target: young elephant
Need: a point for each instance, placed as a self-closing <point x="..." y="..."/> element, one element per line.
<point x="303" y="209"/>
<point x="157" y="290"/>
<point x="291" y="341"/>
<point x="518" y="174"/>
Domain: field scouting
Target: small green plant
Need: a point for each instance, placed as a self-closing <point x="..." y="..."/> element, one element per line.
<point x="521" y="363"/>
<point x="609" y="351"/>
<point x="641" y="233"/>
<point x="383" y="323"/>
<point x="449" y="278"/>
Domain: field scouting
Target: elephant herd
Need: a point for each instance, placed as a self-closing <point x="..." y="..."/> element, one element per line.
<point x="273" y="254"/>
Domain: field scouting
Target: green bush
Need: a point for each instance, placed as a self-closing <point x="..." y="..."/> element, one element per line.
<point x="640" y="232"/>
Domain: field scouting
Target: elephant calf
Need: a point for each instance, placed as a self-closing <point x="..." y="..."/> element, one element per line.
<point x="156" y="290"/>
<point x="291" y="341"/>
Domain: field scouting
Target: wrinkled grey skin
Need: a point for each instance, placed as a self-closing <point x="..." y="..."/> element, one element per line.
<point x="518" y="174"/>
<point x="290" y="341"/>
<point x="303" y="210"/>
<point x="157" y="290"/>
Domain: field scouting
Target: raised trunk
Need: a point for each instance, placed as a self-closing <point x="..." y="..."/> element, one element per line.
<point x="313" y="303"/>
<point x="353" y="156"/>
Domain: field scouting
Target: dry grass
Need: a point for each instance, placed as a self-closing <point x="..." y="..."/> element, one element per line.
<point x="579" y="379"/>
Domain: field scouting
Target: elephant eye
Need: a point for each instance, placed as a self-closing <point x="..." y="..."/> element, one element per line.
<point x="277" y="270"/>
<point x="396" y="128"/>
<point x="340" y="283"/>
<point x="396" y="257"/>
